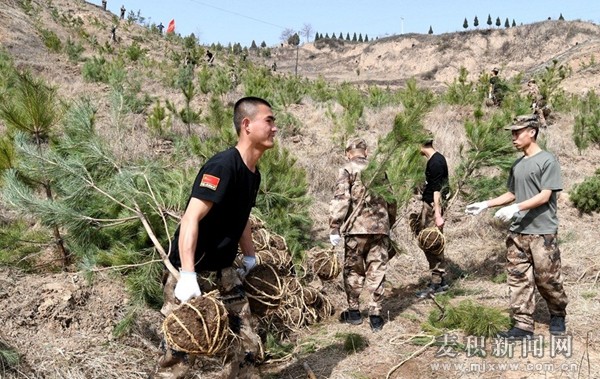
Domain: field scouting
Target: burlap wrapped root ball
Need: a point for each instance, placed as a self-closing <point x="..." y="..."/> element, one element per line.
<point x="326" y="264"/>
<point x="279" y="258"/>
<point x="264" y="288"/>
<point x="431" y="240"/>
<point x="199" y="326"/>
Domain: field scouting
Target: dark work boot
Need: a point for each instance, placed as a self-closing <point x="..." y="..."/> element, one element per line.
<point x="376" y="322"/>
<point x="516" y="333"/>
<point x="351" y="316"/>
<point x="557" y="325"/>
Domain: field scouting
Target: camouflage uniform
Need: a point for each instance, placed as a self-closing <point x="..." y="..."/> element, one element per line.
<point x="366" y="234"/>
<point x="538" y="102"/>
<point x="229" y="285"/>
<point x="534" y="260"/>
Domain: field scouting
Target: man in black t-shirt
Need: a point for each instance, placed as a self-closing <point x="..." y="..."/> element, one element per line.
<point x="215" y="222"/>
<point x="434" y="196"/>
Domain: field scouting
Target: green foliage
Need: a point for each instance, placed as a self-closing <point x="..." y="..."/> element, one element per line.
<point x="277" y="348"/>
<point x="586" y="195"/>
<point x="9" y="357"/>
<point x="352" y="100"/>
<point x="51" y="40"/>
<point x="95" y="70"/>
<point x="487" y="158"/>
<point x="587" y="122"/>
<point x="288" y="90"/>
<point x="158" y="121"/>
<point x="500" y="278"/>
<point x="257" y="82"/>
<point x="549" y="80"/>
<point x="474" y="319"/>
<point x="398" y="153"/>
<point x="287" y="125"/>
<point x="320" y="90"/>
<point x="353" y="342"/>
<point x="19" y="244"/>
<point x="135" y="52"/>
<point x="283" y="200"/>
<point x="380" y="97"/>
<point x="461" y="91"/>
<point x="73" y="50"/>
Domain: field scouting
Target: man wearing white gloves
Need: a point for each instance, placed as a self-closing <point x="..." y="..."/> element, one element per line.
<point x="214" y="223"/>
<point x="533" y="256"/>
<point x="365" y="221"/>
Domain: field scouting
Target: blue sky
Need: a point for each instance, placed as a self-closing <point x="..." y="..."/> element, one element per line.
<point x="242" y="21"/>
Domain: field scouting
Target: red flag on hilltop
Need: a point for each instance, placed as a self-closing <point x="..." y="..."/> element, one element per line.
<point x="171" y="27"/>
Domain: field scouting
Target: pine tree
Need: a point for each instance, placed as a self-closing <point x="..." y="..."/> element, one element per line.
<point x="253" y="45"/>
<point x="341" y="36"/>
<point x="561" y="18"/>
<point x="33" y="110"/>
<point x="263" y="44"/>
<point x="466" y="24"/>
<point x="498" y="22"/>
<point x="366" y="38"/>
<point x="489" y="20"/>
<point x="347" y="36"/>
<point x="326" y="35"/>
<point x="354" y="38"/>
<point x="475" y="22"/>
<point x="514" y="23"/>
<point x="430" y="30"/>
<point x="360" y="39"/>
<point x="507" y="23"/>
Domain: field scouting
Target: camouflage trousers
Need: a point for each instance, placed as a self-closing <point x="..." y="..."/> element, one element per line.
<point x="436" y="260"/>
<point x="248" y="347"/>
<point x="365" y="259"/>
<point x="534" y="261"/>
<point x="539" y="112"/>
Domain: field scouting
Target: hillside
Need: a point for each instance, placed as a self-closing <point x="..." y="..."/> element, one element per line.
<point x="62" y="325"/>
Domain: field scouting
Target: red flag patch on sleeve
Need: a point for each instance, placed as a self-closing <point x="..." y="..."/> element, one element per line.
<point x="209" y="181"/>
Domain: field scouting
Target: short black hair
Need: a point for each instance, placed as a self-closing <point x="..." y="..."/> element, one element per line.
<point x="246" y="107"/>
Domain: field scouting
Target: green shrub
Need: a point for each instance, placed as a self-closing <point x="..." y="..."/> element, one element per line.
<point x="586" y="195"/>
<point x="353" y="342"/>
<point x="73" y="50"/>
<point x="51" y="40"/>
<point x="135" y="52"/>
<point x="95" y="70"/>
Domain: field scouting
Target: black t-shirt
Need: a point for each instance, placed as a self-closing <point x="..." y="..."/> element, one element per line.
<point x="226" y="181"/>
<point x="436" y="177"/>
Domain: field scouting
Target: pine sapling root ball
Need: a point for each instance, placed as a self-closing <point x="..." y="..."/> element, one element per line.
<point x="326" y="265"/>
<point x="199" y="326"/>
<point x="431" y="240"/>
<point x="264" y="288"/>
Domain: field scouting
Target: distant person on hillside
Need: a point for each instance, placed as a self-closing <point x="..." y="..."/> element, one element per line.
<point x="210" y="58"/>
<point x="362" y="222"/>
<point x="214" y="226"/>
<point x="122" y="12"/>
<point x="104" y="4"/>
<point x="538" y="102"/>
<point x="160" y="27"/>
<point x="274" y="66"/>
<point x="494" y="90"/>
<point x="434" y="197"/>
<point x="534" y="184"/>
<point x="113" y="33"/>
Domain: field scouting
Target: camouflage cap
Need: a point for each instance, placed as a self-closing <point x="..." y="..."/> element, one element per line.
<point x="427" y="137"/>
<point x="356" y="143"/>
<point x="525" y="121"/>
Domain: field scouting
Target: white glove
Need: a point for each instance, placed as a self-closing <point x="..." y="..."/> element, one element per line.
<point x="476" y="208"/>
<point x="248" y="264"/>
<point x="335" y="239"/>
<point x="187" y="286"/>
<point x="506" y="213"/>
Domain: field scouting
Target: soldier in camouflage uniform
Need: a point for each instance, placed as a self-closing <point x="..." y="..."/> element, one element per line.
<point x="365" y="221"/>
<point x="538" y="103"/>
<point x="434" y="196"/>
<point x="533" y="256"/>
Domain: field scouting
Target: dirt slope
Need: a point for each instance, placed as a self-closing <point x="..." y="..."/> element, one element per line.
<point x="62" y="325"/>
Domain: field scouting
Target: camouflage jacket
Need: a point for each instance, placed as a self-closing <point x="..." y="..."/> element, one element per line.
<point x="535" y="94"/>
<point x="375" y="216"/>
